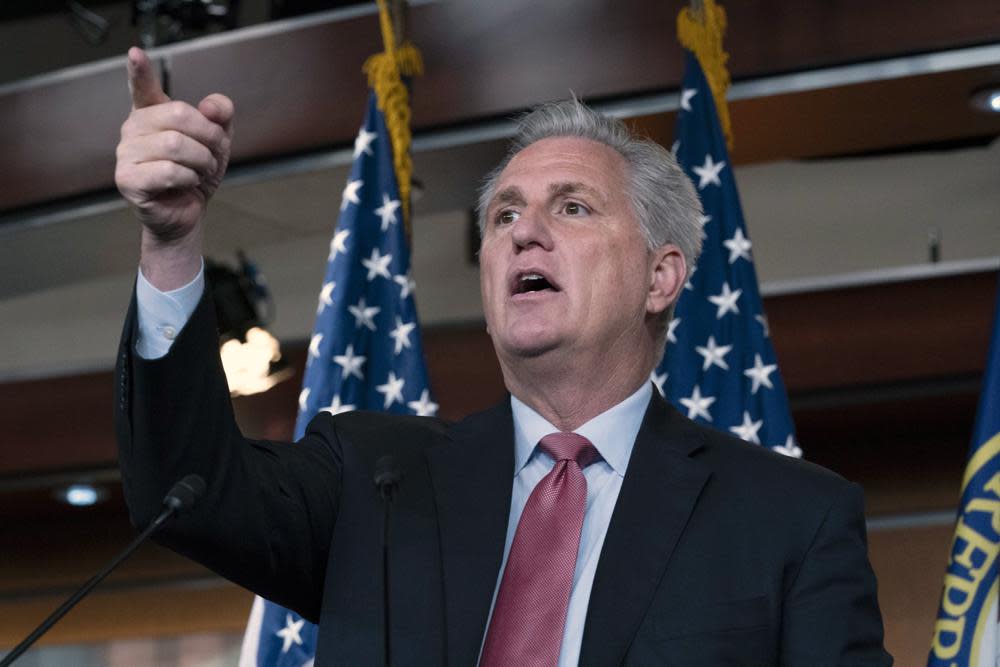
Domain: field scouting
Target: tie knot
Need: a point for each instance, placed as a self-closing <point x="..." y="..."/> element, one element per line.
<point x="570" y="446"/>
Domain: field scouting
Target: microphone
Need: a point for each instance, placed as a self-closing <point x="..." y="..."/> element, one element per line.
<point x="387" y="477"/>
<point x="181" y="497"/>
<point x="185" y="493"/>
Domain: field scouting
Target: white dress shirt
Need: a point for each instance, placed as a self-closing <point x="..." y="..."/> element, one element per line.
<point x="613" y="434"/>
<point x="161" y="315"/>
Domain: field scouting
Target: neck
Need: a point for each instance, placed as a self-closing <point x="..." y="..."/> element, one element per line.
<point x="570" y="395"/>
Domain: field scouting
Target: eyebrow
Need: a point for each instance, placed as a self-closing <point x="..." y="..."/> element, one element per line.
<point x="572" y="188"/>
<point x="509" y="195"/>
<point x="513" y="195"/>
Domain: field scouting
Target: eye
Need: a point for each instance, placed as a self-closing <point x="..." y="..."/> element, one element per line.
<point x="575" y="208"/>
<point x="507" y="216"/>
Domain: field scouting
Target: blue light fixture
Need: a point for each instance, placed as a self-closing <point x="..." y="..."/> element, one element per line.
<point x="81" y="495"/>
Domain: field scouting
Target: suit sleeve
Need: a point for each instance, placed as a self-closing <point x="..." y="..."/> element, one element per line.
<point x="831" y="615"/>
<point x="266" y="519"/>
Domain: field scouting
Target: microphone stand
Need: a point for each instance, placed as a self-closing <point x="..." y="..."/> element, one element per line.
<point x="387" y="476"/>
<point x="173" y="504"/>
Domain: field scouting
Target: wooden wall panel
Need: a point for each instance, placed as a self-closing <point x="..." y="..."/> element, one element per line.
<point x="909" y="564"/>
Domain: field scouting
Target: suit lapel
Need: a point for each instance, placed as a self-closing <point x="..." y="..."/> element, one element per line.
<point x="472" y="477"/>
<point x="662" y="481"/>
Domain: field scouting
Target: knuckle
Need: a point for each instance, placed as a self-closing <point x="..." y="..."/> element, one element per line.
<point x="173" y="141"/>
<point x="127" y="126"/>
<point x="177" y="112"/>
<point x="169" y="175"/>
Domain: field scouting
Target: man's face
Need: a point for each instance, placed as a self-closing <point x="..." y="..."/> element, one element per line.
<point x="564" y="264"/>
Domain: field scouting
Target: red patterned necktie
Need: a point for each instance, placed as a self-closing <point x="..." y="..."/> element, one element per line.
<point x="530" y="611"/>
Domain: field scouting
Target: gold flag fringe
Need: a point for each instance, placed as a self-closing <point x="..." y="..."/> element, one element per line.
<point x="385" y="71"/>
<point x="701" y="33"/>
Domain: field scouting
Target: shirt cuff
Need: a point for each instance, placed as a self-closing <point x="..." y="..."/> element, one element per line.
<point x="163" y="314"/>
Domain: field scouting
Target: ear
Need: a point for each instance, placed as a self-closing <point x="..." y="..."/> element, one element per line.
<point x="668" y="271"/>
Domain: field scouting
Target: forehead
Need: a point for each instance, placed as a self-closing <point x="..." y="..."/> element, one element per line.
<point x="566" y="159"/>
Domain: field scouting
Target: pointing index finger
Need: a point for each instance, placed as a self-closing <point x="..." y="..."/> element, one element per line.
<point x="142" y="80"/>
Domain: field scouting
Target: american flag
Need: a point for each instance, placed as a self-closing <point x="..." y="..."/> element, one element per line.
<point x="720" y="367"/>
<point x="365" y="352"/>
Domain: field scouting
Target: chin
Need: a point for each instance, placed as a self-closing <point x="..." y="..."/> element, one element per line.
<point x="527" y="345"/>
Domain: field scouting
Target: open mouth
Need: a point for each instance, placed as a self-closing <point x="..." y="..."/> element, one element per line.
<point x="530" y="282"/>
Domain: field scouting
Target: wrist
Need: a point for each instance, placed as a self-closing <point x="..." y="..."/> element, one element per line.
<point x="169" y="264"/>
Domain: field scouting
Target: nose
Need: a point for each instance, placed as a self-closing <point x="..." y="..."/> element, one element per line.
<point x="531" y="229"/>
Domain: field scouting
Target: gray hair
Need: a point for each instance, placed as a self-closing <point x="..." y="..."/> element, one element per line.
<point x="662" y="196"/>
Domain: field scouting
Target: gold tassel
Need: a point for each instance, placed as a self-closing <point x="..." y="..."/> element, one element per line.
<point x="701" y="33"/>
<point x="385" y="71"/>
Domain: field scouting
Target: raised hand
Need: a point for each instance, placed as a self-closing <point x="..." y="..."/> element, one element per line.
<point x="170" y="161"/>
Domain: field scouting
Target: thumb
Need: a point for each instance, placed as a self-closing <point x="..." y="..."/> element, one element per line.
<point x="218" y="109"/>
<point x="142" y="81"/>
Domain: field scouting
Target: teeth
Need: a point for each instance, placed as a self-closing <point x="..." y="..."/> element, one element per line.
<point x="531" y="276"/>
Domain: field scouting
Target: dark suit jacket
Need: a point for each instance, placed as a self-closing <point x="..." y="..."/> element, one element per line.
<point x="718" y="553"/>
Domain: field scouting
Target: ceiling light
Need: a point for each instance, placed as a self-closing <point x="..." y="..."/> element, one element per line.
<point x="986" y="99"/>
<point x="81" y="495"/>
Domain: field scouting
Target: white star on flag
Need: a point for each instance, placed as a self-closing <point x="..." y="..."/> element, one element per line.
<point x="336" y="407"/>
<point x="350" y="195"/>
<point x="702" y="221"/>
<point x="387" y="211"/>
<point x="748" y="429"/>
<point x="314" y="342"/>
<point x="708" y="173"/>
<point x="406" y="285"/>
<point x="738" y="245"/>
<point x="326" y="296"/>
<point x="790" y="448"/>
<point x="698" y="405"/>
<point x="350" y="363"/>
<point x="401" y="334"/>
<point x="363" y="314"/>
<point x="671" y="328"/>
<point x="392" y="390"/>
<point x="377" y="265"/>
<point x="715" y="355"/>
<point x="688" y="284"/>
<point x="290" y="633"/>
<point x="304" y="398"/>
<point x="658" y="380"/>
<point x="363" y="143"/>
<point x="425" y="407"/>
<point x="763" y="322"/>
<point x="686" y="96"/>
<point x="726" y="301"/>
<point x="337" y="243"/>
<point x="760" y="374"/>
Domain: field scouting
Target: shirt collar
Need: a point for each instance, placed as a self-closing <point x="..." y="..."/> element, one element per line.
<point x="612" y="432"/>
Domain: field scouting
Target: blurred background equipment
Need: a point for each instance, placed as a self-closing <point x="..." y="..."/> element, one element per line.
<point x="243" y="308"/>
<point x="167" y="21"/>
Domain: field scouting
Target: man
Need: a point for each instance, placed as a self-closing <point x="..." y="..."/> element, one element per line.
<point x="582" y="521"/>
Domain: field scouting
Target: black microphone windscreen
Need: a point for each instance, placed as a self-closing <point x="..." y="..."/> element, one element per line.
<point x="387" y="472"/>
<point x="185" y="493"/>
